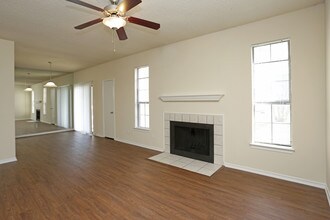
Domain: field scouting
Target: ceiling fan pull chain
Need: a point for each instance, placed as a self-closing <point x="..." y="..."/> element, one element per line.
<point x="113" y="41"/>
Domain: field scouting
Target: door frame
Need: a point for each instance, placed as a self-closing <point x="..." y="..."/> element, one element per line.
<point x="114" y="106"/>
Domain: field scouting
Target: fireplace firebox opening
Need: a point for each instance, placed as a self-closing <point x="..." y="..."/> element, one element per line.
<point x="193" y="140"/>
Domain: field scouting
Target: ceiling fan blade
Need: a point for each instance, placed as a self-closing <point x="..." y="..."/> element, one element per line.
<point x="144" y="23"/>
<point x="127" y="5"/>
<point x="87" y="24"/>
<point x="121" y="33"/>
<point x="86" y="5"/>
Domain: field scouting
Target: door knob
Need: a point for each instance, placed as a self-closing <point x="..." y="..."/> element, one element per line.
<point x="111" y="112"/>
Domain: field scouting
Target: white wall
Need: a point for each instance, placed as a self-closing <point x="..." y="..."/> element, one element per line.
<point x="7" y="110"/>
<point x="22" y="103"/>
<point x="221" y="63"/>
<point x="328" y="91"/>
<point x="38" y="93"/>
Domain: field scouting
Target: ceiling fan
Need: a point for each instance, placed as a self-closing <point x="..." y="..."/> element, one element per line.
<point x="115" y="16"/>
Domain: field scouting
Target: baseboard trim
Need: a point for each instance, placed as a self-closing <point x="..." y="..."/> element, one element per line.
<point x="328" y="193"/>
<point x="8" y="160"/>
<point x="46" y="122"/>
<point x="44" y="133"/>
<point x="277" y="175"/>
<point x="98" y="135"/>
<point x="23" y="119"/>
<point x="139" y="145"/>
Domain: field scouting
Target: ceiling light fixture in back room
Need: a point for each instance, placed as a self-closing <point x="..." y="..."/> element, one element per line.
<point x="50" y="83"/>
<point x="28" y="88"/>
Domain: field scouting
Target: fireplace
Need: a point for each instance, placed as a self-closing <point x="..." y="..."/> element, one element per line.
<point x="37" y="114"/>
<point x="193" y="140"/>
<point x="215" y="121"/>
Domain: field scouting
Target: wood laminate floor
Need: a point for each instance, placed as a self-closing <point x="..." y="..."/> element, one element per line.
<point x="25" y="127"/>
<point x="73" y="176"/>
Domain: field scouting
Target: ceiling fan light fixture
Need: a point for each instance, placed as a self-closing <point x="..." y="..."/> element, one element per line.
<point x="114" y="22"/>
<point x="50" y="84"/>
<point x="28" y="89"/>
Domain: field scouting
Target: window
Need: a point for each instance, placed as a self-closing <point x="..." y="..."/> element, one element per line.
<point x="63" y="106"/>
<point x="142" y="97"/>
<point x="44" y="103"/>
<point x="32" y="102"/>
<point x="82" y="108"/>
<point x="271" y="94"/>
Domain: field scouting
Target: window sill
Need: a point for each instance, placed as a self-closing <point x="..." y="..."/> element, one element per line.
<point x="272" y="147"/>
<point x="142" y="129"/>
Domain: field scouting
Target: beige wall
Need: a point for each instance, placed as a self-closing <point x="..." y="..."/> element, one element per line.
<point x="38" y="94"/>
<point x="328" y="90"/>
<point x="221" y="63"/>
<point x="7" y="110"/>
<point x="22" y="103"/>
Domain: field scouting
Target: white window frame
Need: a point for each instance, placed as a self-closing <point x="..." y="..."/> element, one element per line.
<point x="272" y="145"/>
<point x="137" y="102"/>
<point x="44" y="101"/>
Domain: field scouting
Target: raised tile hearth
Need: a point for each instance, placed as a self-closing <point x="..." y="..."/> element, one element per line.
<point x="190" y="164"/>
<point x="197" y="166"/>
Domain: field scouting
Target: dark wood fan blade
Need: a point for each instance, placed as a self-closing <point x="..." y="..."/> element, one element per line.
<point x="87" y="24"/>
<point x="86" y="5"/>
<point x="121" y="34"/>
<point x="127" y="5"/>
<point x="144" y="23"/>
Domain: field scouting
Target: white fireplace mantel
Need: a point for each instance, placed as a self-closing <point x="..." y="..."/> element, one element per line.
<point x="192" y="98"/>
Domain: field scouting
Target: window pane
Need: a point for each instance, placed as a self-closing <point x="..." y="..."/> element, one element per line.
<point x="280" y="91"/>
<point x="32" y="102"/>
<point x="276" y="70"/>
<point x="45" y="95"/>
<point x="143" y="96"/>
<point x="281" y="114"/>
<point x="147" y="109"/>
<point x="279" y="51"/>
<point x="143" y="84"/>
<point x="142" y="121"/>
<point x="271" y="81"/>
<point x="261" y="54"/>
<point x="44" y="101"/>
<point x="142" y="109"/>
<point x="147" y="122"/>
<point x="262" y="113"/>
<point x="281" y="134"/>
<point x="262" y="93"/>
<point x="143" y="72"/>
<point x="262" y="132"/>
<point x="144" y="115"/>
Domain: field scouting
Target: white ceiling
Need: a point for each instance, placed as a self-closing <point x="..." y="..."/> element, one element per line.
<point x="43" y="29"/>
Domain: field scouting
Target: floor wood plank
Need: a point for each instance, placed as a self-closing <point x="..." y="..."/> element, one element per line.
<point x="73" y="176"/>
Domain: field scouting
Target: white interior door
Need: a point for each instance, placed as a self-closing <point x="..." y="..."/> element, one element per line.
<point x="108" y="109"/>
<point x="53" y="105"/>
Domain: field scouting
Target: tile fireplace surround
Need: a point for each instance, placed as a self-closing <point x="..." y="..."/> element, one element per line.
<point x="216" y="120"/>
